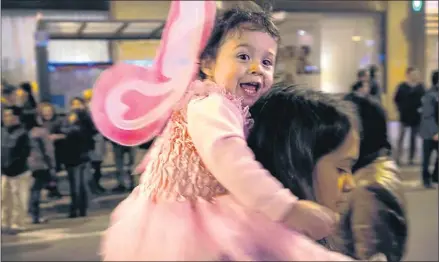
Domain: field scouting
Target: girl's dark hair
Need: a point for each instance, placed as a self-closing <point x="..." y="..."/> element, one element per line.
<point x="374" y="140"/>
<point x="233" y="20"/>
<point x="293" y="128"/>
<point x="26" y="86"/>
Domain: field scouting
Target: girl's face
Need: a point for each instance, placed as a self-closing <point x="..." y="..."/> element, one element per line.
<point x="244" y="64"/>
<point x="47" y="113"/>
<point x="333" y="174"/>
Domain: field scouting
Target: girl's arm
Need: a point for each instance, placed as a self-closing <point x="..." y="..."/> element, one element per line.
<point x="215" y="125"/>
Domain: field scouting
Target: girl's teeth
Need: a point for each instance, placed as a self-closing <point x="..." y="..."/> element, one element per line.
<point x="249" y="89"/>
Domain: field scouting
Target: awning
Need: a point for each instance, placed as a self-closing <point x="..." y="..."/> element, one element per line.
<point x="101" y="29"/>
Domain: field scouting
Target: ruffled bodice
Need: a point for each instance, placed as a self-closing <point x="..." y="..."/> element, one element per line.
<point x="175" y="171"/>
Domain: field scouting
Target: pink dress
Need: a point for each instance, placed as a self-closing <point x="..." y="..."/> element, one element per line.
<point x="203" y="196"/>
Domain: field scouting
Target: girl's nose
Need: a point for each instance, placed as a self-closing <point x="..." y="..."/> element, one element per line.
<point x="255" y="68"/>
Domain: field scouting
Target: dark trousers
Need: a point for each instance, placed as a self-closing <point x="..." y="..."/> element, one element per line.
<point x="79" y="191"/>
<point x="428" y="147"/>
<point x="413" y="134"/>
<point x="96" y="165"/>
<point x="119" y="159"/>
<point x="41" y="179"/>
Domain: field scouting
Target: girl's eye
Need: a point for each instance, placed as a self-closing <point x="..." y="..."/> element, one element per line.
<point x="244" y="57"/>
<point x="267" y="62"/>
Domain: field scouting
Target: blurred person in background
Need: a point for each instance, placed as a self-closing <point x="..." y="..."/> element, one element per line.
<point x="362" y="86"/>
<point x="15" y="172"/>
<point x="374" y="221"/>
<point x="119" y="158"/>
<point x="97" y="155"/>
<point x="26" y="101"/>
<point x="429" y="130"/>
<point x="52" y="123"/>
<point x="79" y="142"/>
<point x="408" y="101"/>
<point x="42" y="164"/>
<point x="375" y="90"/>
<point x="9" y="97"/>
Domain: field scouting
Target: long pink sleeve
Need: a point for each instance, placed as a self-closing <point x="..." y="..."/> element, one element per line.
<point x="215" y="125"/>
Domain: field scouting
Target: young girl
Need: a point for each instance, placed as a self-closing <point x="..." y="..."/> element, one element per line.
<point x="202" y="195"/>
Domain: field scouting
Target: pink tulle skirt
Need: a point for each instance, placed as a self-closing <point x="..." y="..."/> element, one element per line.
<point x="142" y="230"/>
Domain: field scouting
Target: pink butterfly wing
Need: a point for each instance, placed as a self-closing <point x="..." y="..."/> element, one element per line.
<point x="132" y="104"/>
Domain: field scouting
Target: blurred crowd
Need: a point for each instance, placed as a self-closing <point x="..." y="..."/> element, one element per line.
<point x="38" y="144"/>
<point x="417" y="108"/>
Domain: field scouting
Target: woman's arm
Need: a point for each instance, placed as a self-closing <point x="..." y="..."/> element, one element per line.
<point x="215" y="125"/>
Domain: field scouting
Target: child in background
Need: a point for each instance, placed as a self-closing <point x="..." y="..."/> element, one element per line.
<point x="203" y="196"/>
<point x="15" y="172"/>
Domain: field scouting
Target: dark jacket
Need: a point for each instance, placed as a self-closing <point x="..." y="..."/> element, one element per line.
<point x="15" y="150"/>
<point x="408" y="101"/>
<point x="375" y="220"/>
<point x="78" y="140"/>
<point x="429" y="115"/>
<point x="28" y="114"/>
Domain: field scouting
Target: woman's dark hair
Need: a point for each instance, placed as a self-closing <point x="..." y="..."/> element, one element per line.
<point x="293" y="128"/>
<point x="374" y="140"/>
<point x="233" y="21"/>
<point x="28" y="89"/>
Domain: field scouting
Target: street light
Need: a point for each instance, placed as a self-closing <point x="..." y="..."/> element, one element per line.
<point x="417" y="5"/>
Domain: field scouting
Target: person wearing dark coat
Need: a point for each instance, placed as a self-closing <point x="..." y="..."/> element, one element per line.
<point x="429" y="131"/>
<point x="408" y="101"/>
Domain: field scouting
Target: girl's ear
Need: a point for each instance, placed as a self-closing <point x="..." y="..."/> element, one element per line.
<point x="207" y="67"/>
